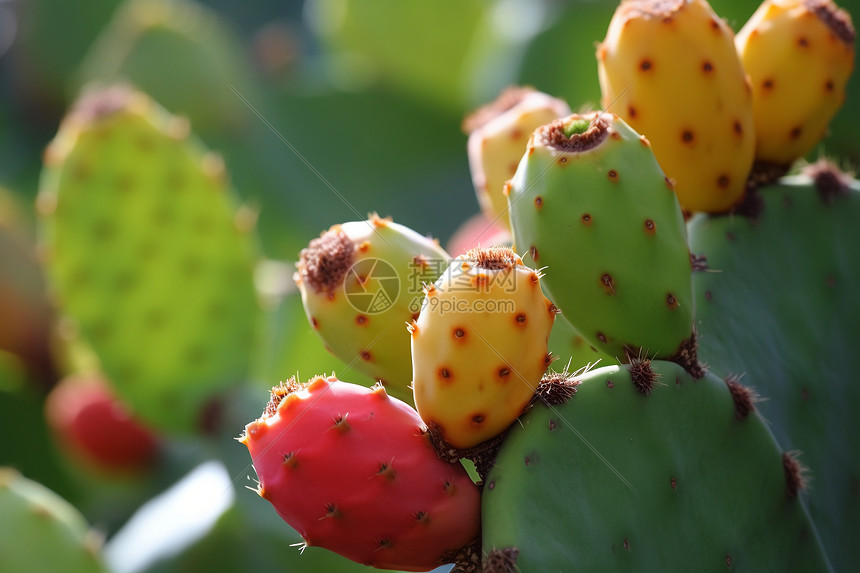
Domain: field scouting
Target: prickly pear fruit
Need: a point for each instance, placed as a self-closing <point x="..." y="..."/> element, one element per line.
<point x="627" y="465"/>
<point x="360" y="282"/>
<point x="146" y="255"/>
<point x="95" y="427"/>
<point x="353" y="470"/>
<point x="590" y="203"/>
<point x="40" y="531"/>
<point x="670" y="69"/>
<point x="799" y="55"/>
<point x="479" y="346"/>
<point x="498" y="133"/>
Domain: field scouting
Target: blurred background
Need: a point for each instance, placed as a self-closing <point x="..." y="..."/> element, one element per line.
<point x="324" y="111"/>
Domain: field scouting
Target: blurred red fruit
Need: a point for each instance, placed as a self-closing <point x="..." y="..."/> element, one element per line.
<point x="90" y="422"/>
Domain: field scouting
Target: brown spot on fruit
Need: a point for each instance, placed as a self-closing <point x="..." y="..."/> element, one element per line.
<point x="738" y="127"/>
<point x="767" y="84"/>
<point x="723" y="181"/>
<point x="650" y="226"/>
<point x="520" y="319"/>
<point x="707" y="67"/>
<point x="459" y="333"/>
<point x="795" y="132"/>
<point x="361" y="320"/>
<point x="829" y="85"/>
<point x="538" y="201"/>
<point x="687" y="136"/>
<point x="601" y="337"/>
<point x="364" y="247"/>
<point x="534" y="253"/>
<point x="445" y="374"/>
<point x="586" y="219"/>
<point x="631" y="112"/>
<point x="803" y="42"/>
<point x="366" y="356"/>
<point x="671" y="301"/>
<point x="478" y="419"/>
<point x="610" y="383"/>
<point x="645" y="65"/>
<point x="607" y="283"/>
<point x="612" y="174"/>
<point x="504" y="372"/>
<point x="314" y="323"/>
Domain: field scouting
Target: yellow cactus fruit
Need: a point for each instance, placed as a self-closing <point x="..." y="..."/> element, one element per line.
<point x="799" y="55"/>
<point x="498" y="134"/>
<point x="479" y="346"/>
<point x="669" y="69"/>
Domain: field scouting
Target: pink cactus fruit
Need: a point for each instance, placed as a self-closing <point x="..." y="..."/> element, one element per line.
<point x="353" y="470"/>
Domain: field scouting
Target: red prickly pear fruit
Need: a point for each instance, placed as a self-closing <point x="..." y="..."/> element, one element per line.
<point x="94" y="427"/>
<point x="353" y="470"/>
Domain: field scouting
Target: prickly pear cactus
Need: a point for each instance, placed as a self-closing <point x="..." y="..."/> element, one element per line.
<point x="354" y="471"/>
<point x="479" y="346"/>
<point x="498" y="134"/>
<point x="146" y="255"/>
<point x="40" y="531"/>
<point x="590" y="204"/>
<point x="361" y="283"/>
<point x="670" y="69"/>
<point x="779" y="306"/>
<point x="799" y="55"/>
<point x="647" y="469"/>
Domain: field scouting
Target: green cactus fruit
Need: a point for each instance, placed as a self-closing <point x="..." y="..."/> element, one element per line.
<point x="479" y="346"/>
<point x="781" y="307"/>
<point x="799" y="55"/>
<point x="147" y="256"/>
<point x="360" y="283"/>
<point x="498" y="134"/>
<point x="590" y="204"/>
<point x="180" y="52"/>
<point x="40" y="531"/>
<point x="670" y="69"/>
<point x="354" y="471"/>
<point x="647" y="469"/>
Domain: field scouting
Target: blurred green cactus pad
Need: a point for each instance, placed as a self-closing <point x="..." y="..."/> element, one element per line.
<point x="148" y="256"/>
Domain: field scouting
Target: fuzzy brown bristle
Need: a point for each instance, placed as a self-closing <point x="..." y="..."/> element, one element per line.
<point x="323" y="264"/>
<point x="829" y="181"/>
<point x="556" y="388"/>
<point x="643" y="375"/>
<point x="466" y="559"/>
<point x="493" y="258"/>
<point x="502" y="560"/>
<point x="506" y="100"/>
<point x="688" y="356"/>
<point x="835" y="18"/>
<point x="744" y="397"/>
<point x="279" y="392"/>
<point x="795" y="474"/>
<point x="554" y="135"/>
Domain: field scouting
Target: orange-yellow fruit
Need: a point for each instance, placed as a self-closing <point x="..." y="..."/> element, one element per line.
<point x="669" y="68"/>
<point x="799" y="55"/>
<point x="479" y="346"/>
<point x="498" y="134"/>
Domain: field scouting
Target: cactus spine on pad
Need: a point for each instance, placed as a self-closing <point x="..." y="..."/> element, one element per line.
<point x="498" y="134"/>
<point x="146" y="255"/>
<point x="590" y="203"/>
<point x="796" y="346"/>
<point x="629" y="464"/>
<point x="479" y="346"/>
<point x="40" y="531"/>
<point x="670" y="69"/>
<point x="799" y="55"/>
<point x="353" y="470"/>
<point x="361" y="282"/>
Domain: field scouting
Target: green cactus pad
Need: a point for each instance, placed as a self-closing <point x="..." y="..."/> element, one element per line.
<point x="146" y="256"/>
<point x="779" y="305"/>
<point x="647" y="469"/>
<point x="40" y="531"/>
<point x="590" y="204"/>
